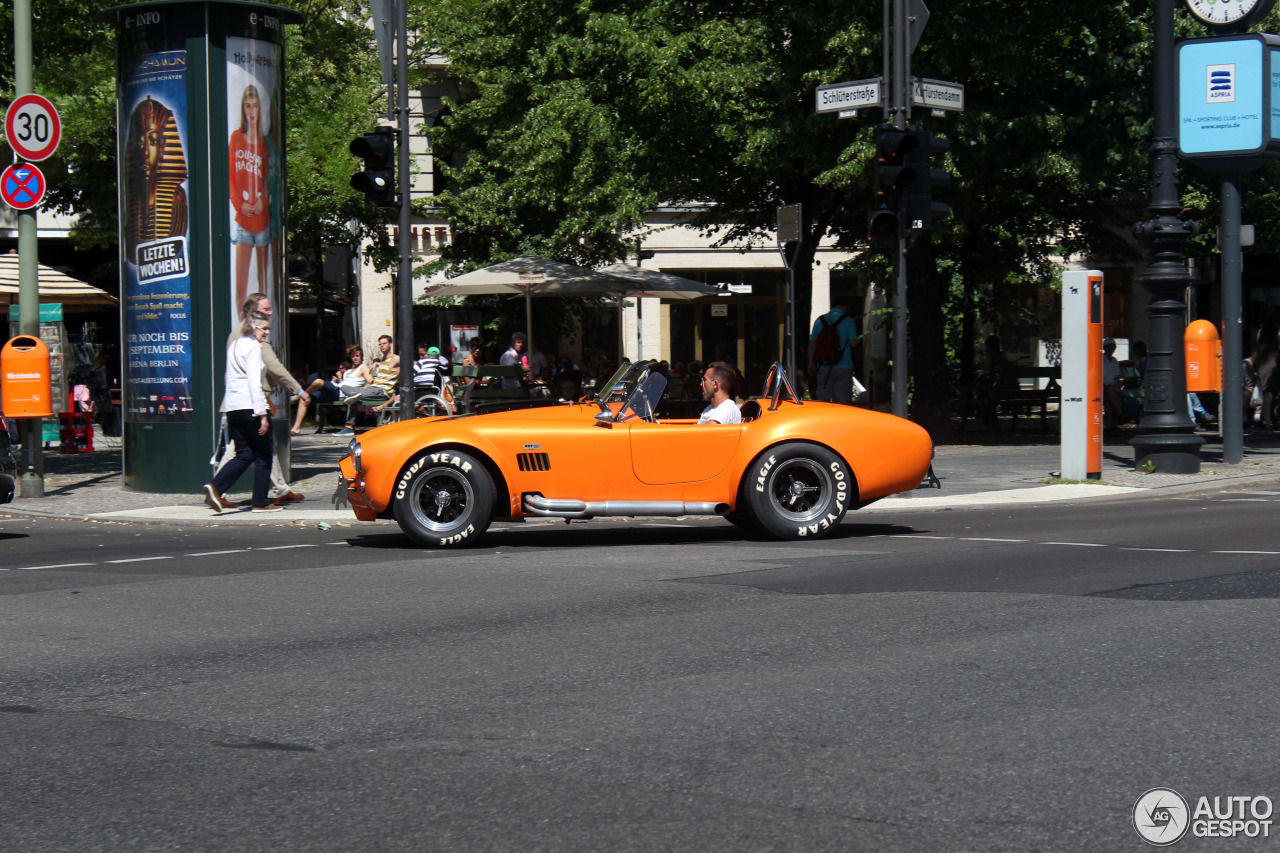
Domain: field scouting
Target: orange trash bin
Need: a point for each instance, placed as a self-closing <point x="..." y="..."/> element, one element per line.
<point x="25" y="388"/>
<point x="1204" y="357"/>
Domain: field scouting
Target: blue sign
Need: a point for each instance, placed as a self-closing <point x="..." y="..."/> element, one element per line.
<point x="1226" y="117"/>
<point x="22" y="186"/>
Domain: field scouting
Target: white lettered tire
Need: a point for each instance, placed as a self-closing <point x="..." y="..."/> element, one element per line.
<point x="799" y="491"/>
<point x="444" y="498"/>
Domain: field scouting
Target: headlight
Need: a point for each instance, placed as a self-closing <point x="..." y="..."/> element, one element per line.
<point x="353" y="449"/>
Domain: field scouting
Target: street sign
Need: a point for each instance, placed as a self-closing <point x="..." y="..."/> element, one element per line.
<point x="853" y="95"/>
<point x="788" y="223"/>
<point x="32" y="126"/>
<point x="1227" y="93"/>
<point x="22" y="186"/>
<point x="917" y="19"/>
<point x="937" y="94"/>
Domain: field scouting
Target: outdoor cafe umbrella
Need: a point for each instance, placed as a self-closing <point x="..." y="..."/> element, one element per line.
<point x="659" y="284"/>
<point x="54" y="286"/>
<point x="532" y="276"/>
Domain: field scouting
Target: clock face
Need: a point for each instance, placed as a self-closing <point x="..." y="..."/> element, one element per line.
<point x="1219" y="12"/>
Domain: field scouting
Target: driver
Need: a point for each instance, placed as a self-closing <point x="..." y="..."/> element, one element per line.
<point x="721" y="408"/>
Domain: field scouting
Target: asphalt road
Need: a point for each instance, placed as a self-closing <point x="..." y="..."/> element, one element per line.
<point x="1006" y="679"/>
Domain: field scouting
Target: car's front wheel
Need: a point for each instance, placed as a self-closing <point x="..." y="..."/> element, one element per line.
<point x="444" y="499"/>
<point x="799" y="490"/>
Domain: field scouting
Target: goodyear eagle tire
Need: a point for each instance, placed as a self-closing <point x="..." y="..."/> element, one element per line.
<point x="444" y="499"/>
<point x="799" y="491"/>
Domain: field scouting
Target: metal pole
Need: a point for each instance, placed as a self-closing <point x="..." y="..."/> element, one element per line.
<point x="888" y="60"/>
<point x="32" y="429"/>
<point x="404" y="276"/>
<point x="1230" y="418"/>
<point x="899" y="89"/>
<point x="1166" y="440"/>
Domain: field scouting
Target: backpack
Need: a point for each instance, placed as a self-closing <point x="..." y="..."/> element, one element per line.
<point x="827" y="350"/>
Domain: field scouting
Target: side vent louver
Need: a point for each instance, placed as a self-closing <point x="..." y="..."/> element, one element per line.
<point x="534" y="461"/>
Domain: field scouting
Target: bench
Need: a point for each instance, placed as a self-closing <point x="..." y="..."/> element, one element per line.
<point x="475" y="392"/>
<point x="1019" y="394"/>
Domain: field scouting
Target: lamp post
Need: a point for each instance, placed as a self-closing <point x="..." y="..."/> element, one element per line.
<point x="1166" y="436"/>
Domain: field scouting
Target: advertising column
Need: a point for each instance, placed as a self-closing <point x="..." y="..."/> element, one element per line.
<point x="202" y="209"/>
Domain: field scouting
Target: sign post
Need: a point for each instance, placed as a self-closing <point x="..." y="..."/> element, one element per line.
<point x="1228" y="96"/>
<point x="22" y="186"/>
<point x="32" y="126"/>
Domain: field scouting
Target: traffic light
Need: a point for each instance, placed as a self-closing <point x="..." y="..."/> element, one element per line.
<point x="882" y="227"/>
<point x="378" y="180"/>
<point x="891" y="176"/>
<point x="921" y="210"/>
<point x="891" y="179"/>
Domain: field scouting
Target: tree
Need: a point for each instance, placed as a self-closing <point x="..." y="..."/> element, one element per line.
<point x="333" y="92"/>
<point x="580" y="116"/>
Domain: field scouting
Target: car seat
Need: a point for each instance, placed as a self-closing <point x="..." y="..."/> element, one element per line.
<point x="750" y="411"/>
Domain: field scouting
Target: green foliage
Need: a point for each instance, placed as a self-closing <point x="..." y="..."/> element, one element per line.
<point x="332" y="94"/>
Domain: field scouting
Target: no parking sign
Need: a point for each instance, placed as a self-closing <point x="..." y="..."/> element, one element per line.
<point x="22" y="186"/>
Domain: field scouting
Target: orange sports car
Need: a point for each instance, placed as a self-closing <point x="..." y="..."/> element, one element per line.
<point x="791" y="469"/>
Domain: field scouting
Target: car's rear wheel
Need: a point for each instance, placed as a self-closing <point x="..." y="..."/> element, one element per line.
<point x="444" y="499"/>
<point x="799" y="491"/>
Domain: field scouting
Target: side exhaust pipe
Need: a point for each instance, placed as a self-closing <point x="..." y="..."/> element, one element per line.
<point x="536" y="504"/>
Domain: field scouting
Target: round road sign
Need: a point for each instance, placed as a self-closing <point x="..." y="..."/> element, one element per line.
<point x="32" y="126"/>
<point x="22" y="186"/>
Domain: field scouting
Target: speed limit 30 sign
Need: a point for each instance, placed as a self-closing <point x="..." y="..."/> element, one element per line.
<point x="32" y="126"/>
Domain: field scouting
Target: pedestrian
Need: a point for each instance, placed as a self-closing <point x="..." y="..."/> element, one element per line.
<point x="514" y="356"/>
<point x="382" y="379"/>
<point x="323" y="391"/>
<point x="831" y="344"/>
<point x="258" y="306"/>
<point x="429" y="368"/>
<point x="1111" y="411"/>
<point x="248" y="421"/>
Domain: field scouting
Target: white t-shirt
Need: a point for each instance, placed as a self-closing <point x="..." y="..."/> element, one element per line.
<point x="725" y="413"/>
<point x="1110" y="371"/>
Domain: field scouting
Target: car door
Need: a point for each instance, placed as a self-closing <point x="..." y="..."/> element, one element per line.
<point x="669" y="454"/>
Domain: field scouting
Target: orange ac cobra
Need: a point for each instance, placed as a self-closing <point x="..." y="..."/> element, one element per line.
<point x="792" y="469"/>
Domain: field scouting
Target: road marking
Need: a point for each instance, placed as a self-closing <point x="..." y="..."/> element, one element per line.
<point x="59" y="566"/>
<point x="922" y="536"/>
<point x="1160" y="550"/>
<point x="148" y="559"/>
<point x="1246" y="552"/>
<point x="984" y="539"/>
<point x="1080" y="544"/>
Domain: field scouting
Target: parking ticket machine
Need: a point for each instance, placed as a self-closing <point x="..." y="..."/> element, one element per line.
<point x="1081" y="408"/>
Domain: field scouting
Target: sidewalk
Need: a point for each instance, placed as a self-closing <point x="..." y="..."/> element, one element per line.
<point x="992" y="470"/>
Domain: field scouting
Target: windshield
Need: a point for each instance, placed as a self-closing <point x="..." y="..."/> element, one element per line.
<point x="619" y="386"/>
<point x="643" y="401"/>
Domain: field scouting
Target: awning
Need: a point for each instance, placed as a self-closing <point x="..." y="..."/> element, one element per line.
<point x="55" y="286"/>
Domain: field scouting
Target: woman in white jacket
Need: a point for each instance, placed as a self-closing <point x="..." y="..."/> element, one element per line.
<point x="248" y="420"/>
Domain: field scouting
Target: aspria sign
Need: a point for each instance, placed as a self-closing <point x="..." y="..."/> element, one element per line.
<point x="1229" y="101"/>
